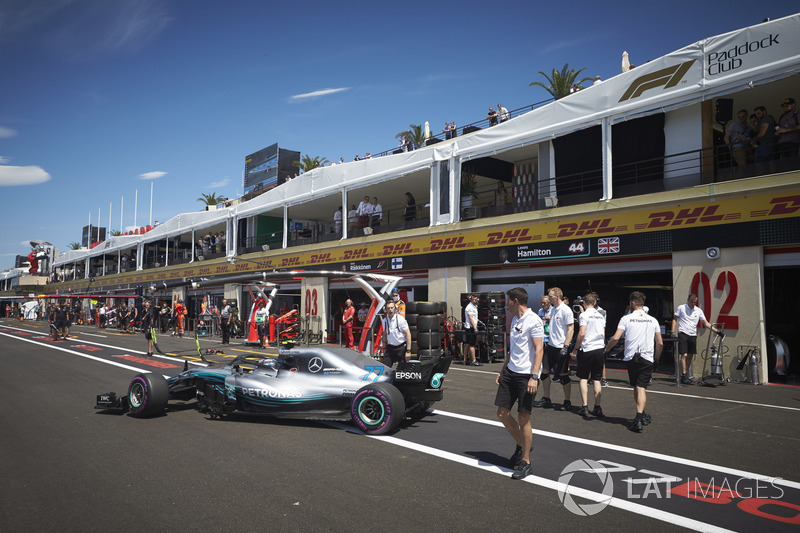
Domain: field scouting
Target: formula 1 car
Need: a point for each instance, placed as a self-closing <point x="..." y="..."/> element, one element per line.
<point x="315" y="382"/>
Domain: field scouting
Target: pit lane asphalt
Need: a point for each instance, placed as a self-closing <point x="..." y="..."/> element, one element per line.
<point x="69" y="467"/>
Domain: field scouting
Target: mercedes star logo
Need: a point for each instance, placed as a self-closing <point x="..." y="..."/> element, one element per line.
<point x="315" y="364"/>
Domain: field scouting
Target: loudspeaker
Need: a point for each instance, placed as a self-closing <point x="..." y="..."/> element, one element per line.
<point x="712" y="252"/>
<point x="724" y="110"/>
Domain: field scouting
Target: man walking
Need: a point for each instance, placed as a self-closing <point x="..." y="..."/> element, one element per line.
<point x="589" y="351"/>
<point x="556" y="352"/>
<point x="643" y="345"/>
<point x="687" y="317"/>
<point x="518" y="381"/>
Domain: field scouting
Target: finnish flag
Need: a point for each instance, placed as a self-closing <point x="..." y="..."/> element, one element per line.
<point x="397" y="263"/>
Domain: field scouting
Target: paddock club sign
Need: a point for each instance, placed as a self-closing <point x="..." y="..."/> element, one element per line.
<point x="594" y="235"/>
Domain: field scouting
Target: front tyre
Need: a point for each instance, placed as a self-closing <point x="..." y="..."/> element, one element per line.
<point x="377" y="408"/>
<point x="148" y="395"/>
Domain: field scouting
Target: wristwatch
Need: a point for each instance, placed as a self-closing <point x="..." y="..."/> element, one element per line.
<point x="535" y="376"/>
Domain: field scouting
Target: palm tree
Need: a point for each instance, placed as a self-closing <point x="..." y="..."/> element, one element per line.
<point x="210" y="199"/>
<point x="307" y="163"/>
<point x="74" y="246"/>
<point x="415" y="135"/>
<point x="561" y="82"/>
<point x="116" y="233"/>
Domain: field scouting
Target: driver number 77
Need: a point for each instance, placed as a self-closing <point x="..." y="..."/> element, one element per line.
<point x="377" y="370"/>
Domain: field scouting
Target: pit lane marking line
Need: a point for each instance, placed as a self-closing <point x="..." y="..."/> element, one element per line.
<point x="625" y="449"/>
<point x="619" y="503"/>
<point x="649" y="391"/>
<point x="95" y="335"/>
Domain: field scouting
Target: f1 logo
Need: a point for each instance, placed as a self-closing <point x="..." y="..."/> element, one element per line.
<point x="668" y="77"/>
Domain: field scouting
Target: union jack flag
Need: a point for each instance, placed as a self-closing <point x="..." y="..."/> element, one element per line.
<point x="608" y="245"/>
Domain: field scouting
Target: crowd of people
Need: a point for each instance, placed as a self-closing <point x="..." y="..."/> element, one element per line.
<point x="366" y="217"/>
<point x="757" y="138"/>
<point x="212" y="243"/>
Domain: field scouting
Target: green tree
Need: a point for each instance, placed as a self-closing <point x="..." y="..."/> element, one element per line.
<point x="307" y="163"/>
<point x="415" y="135"/>
<point x="74" y="246"/>
<point x="210" y="199"/>
<point x="116" y="233"/>
<point x="560" y="83"/>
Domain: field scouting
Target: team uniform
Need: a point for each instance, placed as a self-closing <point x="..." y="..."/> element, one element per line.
<point x="262" y="320"/>
<point x="640" y="329"/>
<point x="513" y="386"/>
<point x="590" y="354"/>
<point x="395" y="329"/>
<point x="556" y="361"/>
<point x="470" y="335"/>
<point x="688" y="318"/>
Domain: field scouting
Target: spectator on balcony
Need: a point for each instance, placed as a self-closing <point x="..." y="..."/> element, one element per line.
<point x="222" y="241"/>
<point x="352" y="220"/>
<point x="597" y="80"/>
<point x="453" y="130"/>
<point x="201" y="248"/>
<point x="736" y="137"/>
<point x="492" y="116"/>
<point x="209" y="244"/>
<point x="446" y="130"/>
<point x="788" y="130"/>
<point x="410" y="205"/>
<point x="501" y="196"/>
<point x="764" y="140"/>
<point x="337" y="220"/>
<point x="364" y="213"/>
<point x="377" y="213"/>
<point x="502" y="112"/>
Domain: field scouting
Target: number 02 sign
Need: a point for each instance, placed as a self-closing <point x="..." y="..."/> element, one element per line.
<point x="726" y="281"/>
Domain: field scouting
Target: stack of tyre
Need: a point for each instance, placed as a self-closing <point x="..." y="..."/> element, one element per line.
<point x="425" y="320"/>
<point x="492" y="314"/>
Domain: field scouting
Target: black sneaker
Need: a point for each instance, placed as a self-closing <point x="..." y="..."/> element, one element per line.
<point x="516" y="456"/>
<point x="646" y="419"/>
<point x="636" y="426"/>
<point x="476" y="363"/>
<point x="544" y="402"/>
<point x="597" y="411"/>
<point x="604" y="383"/>
<point x="583" y="411"/>
<point x="566" y="406"/>
<point x="522" y="470"/>
<point x="685" y="380"/>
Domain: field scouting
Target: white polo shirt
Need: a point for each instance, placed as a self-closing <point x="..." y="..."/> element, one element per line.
<point x="521" y="350"/>
<point x="561" y="318"/>
<point x="640" y="334"/>
<point x="595" y="336"/>
<point x="688" y="319"/>
<point x="471" y="310"/>
<point x="395" y="329"/>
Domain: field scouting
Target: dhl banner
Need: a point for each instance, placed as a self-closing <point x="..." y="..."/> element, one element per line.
<point x="601" y="234"/>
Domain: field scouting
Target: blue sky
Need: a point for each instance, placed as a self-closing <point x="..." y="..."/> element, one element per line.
<point x="99" y="98"/>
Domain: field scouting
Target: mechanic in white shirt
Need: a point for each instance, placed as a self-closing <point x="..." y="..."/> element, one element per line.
<point x="687" y="317"/>
<point x="589" y="351"/>
<point x="396" y="337"/>
<point x="556" y="352"/>
<point x="518" y="379"/>
<point x="262" y="323"/>
<point x="471" y="330"/>
<point x="643" y="345"/>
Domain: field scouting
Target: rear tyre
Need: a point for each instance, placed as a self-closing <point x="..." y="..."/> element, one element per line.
<point x="377" y="408"/>
<point x="148" y="395"/>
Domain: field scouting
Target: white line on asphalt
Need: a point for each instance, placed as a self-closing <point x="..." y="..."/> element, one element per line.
<point x="645" y="453"/>
<point x="619" y="503"/>
<point x="651" y="391"/>
<point x="94" y="335"/>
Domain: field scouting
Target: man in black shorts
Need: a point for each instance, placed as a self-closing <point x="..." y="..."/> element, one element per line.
<point x="518" y="380"/>
<point x="643" y="345"/>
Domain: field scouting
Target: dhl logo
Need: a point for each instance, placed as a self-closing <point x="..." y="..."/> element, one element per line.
<point x="507" y="237"/>
<point x="241" y="267"/>
<point x="587" y="227"/>
<point x="684" y="216"/>
<point x="447" y="244"/>
<point x="206" y="271"/>
<point x="785" y="205"/>
<point x="221" y="269"/>
<point x="397" y="249"/>
<point x="320" y="258"/>
<point x="358" y="253"/>
<point x="290" y="261"/>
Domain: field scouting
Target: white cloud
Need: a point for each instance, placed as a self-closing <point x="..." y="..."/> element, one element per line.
<point x="152" y="175"/>
<point x="32" y="175"/>
<point x="4" y="160"/>
<point x="217" y="184"/>
<point x="316" y="94"/>
<point x="6" y="133"/>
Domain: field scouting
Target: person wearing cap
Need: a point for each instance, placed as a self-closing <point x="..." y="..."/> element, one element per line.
<point x="788" y="130"/>
<point x="401" y="305"/>
<point x="396" y="337"/>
